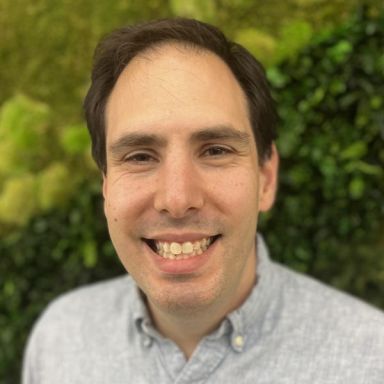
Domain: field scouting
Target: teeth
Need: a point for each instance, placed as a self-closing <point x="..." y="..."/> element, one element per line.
<point x="187" y="247"/>
<point x="176" y="248"/>
<point x="185" y="250"/>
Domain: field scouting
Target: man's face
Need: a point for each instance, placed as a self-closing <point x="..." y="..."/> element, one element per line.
<point x="183" y="186"/>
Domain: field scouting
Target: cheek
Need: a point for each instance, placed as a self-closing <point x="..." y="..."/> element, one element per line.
<point x="124" y="200"/>
<point x="236" y="191"/>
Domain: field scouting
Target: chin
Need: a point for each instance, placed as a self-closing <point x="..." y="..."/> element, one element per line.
<point x="183" y="301"/>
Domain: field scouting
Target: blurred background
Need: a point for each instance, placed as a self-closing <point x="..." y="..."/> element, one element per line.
<point x="325" y="63"/>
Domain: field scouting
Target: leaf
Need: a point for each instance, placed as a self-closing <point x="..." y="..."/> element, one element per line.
<point x="18" y="200"/>
<point x="339" y="52"/>
<point x="293" y="36"/>
<point x="55" y="186"/>
<point x="355" y="151"/>
<point x="89" y="253"/>
<point x="356" y="188"/>
<point x="23" y="120"/>
<point x="75" y="139"/>
<point x="260" y="44"/>
<point x="276" y="77"/>
<point x="198" y="9"/>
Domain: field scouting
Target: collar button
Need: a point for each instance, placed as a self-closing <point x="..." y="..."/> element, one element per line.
<point x="238" y="343"/>
<point x="147" y="341"/>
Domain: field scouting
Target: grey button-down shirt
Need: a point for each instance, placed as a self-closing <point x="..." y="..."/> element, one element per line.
<point x="291" y="329"/>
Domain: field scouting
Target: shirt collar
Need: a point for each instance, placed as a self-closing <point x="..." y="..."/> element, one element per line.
<point x="140" y="312"/>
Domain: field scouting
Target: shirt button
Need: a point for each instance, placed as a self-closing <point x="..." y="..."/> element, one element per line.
<point x="238" y="342"/>
<point x="147" y="341"/>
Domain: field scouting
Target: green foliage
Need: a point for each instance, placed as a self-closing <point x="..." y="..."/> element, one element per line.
<point x="33" y="176"/>
<point x="18" y="200"/>
<point x="258" y="43"/>
<point x="23" y="126"/>
<point x="328" y="217"/>
<point x="56" y="186"/>
<point x="75" y="139"/>
<point x="293" y="37"/>
<point x="198" y="9"/>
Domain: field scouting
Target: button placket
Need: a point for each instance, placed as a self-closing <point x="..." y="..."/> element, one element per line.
<point x="208" y="356"/>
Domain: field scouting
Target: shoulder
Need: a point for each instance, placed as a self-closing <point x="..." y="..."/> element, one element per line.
<point x="311" y="294"/>
<point x="111" y="293"/>
<point x="82" y="310"/>
<point x="87" y="324"/>
<point x="332" y="320"/>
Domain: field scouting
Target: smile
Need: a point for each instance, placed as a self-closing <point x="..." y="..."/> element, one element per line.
<point x="179" y="251"/>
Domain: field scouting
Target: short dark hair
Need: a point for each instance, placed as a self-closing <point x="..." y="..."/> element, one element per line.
<point x="117" y="49"/>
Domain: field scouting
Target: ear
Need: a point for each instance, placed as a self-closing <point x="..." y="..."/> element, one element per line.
<point x="268" y="181"/>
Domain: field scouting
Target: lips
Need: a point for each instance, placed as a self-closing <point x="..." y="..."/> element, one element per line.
<point x="167" y="260"/>
<point x="177" y="250"/>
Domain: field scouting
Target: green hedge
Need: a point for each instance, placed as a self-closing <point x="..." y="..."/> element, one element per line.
<point x="328" y="219"/>
<point x="329" y="216"/>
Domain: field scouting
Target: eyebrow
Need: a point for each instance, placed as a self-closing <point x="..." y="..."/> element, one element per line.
<point x="221" y="132"/>
<point x="138" y="139"/>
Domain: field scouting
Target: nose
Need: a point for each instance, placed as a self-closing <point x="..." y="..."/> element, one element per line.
<point x="179" y="188"/>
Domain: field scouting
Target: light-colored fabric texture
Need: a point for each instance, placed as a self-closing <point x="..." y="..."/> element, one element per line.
<point x="291" y="330"/>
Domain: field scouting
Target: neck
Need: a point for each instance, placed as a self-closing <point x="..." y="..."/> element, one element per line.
<point x="187" y="328"/>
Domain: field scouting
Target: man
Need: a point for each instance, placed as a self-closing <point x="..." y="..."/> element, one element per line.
<point x="183" y="129"/>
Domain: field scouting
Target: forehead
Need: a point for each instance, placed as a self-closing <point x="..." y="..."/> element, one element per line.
<point x="179" y="86"/>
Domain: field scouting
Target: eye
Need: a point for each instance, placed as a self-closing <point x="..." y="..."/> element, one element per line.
<point x="217" y="150"/>
<point x="139" y="157"/>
